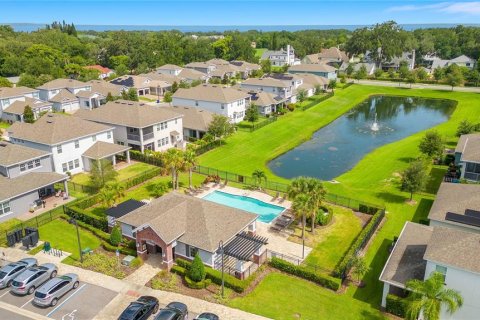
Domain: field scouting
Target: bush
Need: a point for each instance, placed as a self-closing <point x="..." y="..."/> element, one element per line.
<point x="324" y="216"/>
<point x="135" y="263"/>
<point x="115" y="236"/>
<point x="300" y="271"/>
<point x="181" y="271"/>
<point x="87" y="217"/>
<point x="363" y="208"/>
<point x="164" y="280"/>
<point x="395" y="305"/>
<point x="102" y="263"/>
<point x="197" y="285"/>
<point x="291" y="106"/>
<point x="196" y="272"/>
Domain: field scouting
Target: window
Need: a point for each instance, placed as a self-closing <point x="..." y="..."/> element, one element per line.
<point x="59" y="149"/>
<point x="162" y="142"/>
<point x="30" y="165"/>
<point x="196" y="103"/>
<point x="158" y="127"/>
<point x="163" y="125"/>
<point x="77" y="144"/>
<point x="87" y="103"/>
<point x="6" y="102"/>
<point x="64" y="167"/>
<point x="109" y="135"/>
<point x="23" y="167"/>
<point x="4" y="207"/>
<point x="175" y="121"/>
<point x="442" y="270"/>
<point x="223" y="106"/>
<point x="37" y="163"/>
<point x="121" y="143"/>
<point x="70" y="165"/>
<point x="76" y="163"/>
<point x="94" y="138"/>
<point x="192" y="252"/>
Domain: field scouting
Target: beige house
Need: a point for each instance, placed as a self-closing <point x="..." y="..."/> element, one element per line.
<point x="195" y="121"/>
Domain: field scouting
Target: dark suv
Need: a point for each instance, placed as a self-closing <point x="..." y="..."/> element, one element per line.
<point x="141" y="309"/>
<point x="173" y="311"/>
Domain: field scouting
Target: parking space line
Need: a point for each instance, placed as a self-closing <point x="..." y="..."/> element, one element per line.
<point x="4" y="293"/>
<point x="26" y="303"/>
<point x="61" y="304"/>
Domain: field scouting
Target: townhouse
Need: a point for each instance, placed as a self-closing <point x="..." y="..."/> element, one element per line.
<point x="319" y="69"/>
<point x="281" y="57"/>
<point x="10" y="95"/>
<point x="143" y="85"/>
<point x="279" y="88"/>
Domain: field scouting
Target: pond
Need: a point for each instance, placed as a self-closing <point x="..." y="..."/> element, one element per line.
<point x="338" y="147"/>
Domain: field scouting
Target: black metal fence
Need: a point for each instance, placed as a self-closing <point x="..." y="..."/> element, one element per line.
<point x="297" y="261"/>
<point x="256" y="126"/>
<point x="317" y="101"/>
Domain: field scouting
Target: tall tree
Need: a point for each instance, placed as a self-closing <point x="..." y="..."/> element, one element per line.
<point x="414" y="177"/>
<point x="428" y="297"/>
<point x="302" y="207"/>
<point x="220" y="126"/>
<point x="455" y="78"/>
<point x="173" y="159"/>
<point x="189" y="162"/>
<point x="28" y="115"/>
<point x="431" y="144"/>
<point x="101" y="172"/>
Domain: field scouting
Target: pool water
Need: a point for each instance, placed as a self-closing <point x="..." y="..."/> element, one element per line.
<point x="266" y="211"/>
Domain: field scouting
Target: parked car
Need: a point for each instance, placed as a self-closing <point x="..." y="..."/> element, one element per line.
<point x="173" y="311"/>
<point x="207" y="316"/>
<point x="11" y="270"/>
<point x="32" y="278"/>
<point x="141" y="309"/>
<point x="55" y="288"/>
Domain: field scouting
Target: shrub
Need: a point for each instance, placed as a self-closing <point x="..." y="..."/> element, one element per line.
<point x="135" y="263"/>
<point x="164" y="280"/>
<point x="395" y="305"/>
<point x="291" y="106"/>
<point x="196" y="272"/>
<point x="363" y="208"/>
<point x="87" y="217"/>
<point x="324" y="216"/>
<point x="115" y="236"/>
<point x="102" y="263"/>
<point x="197" y="284"/>
<point x="300" y="271"/>
<point x="125" y="251"/>
<point x="181" y="271"/>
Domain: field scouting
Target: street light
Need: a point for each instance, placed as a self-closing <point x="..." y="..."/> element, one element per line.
<point x="158" y="93"/>
<point x="222" y="251"/>
<point x="74" y="221"/>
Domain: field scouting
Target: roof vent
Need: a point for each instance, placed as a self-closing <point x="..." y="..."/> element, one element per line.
<point x="49" y="121"/>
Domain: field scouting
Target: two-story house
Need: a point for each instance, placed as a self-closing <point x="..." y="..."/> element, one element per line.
<point x="281" y="57"/>
<point x="72" y="141"/>
<point x="467" y="156"/>
<point x="270" y="85"/>
<point x="173" y="73"/>
<point x="26" y="176"/>
<point x="195" y="121"/>
<point x="138" y="125"/>
<point x="9" y="95"/>
<point x="331" y="56"/>
<point x="318" y="69"/>
<point x="219" y="99"/>
<point x="143" y="85"/>
<point x="15" y="112"/>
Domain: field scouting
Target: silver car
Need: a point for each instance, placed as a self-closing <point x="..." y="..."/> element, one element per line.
<point x="54" y="289"/>
<point x="11" y="270"/>
<point x="32" y="278"/>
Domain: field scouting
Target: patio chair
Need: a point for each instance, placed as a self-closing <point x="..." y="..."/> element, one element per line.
<point x="58" y="193"/>
<point x="277" y="194"/>
<point x="283" y="198"/>
<point x="224" y="184"/>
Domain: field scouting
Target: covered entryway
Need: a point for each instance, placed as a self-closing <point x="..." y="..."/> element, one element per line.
<point x="105" y="150"/>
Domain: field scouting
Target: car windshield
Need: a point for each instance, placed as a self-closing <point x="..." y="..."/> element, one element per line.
<point x="166" y="314"/>
<point x="17" y="284"/>
<point x="2" y="274"/>
<point x="40" y="294"/>
<point x="130" y="311"/>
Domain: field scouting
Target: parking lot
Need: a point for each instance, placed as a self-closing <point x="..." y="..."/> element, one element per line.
<point x="82" y="303"/>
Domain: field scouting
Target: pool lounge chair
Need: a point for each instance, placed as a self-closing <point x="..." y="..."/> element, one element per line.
<point x="276" y="196"/>
<point x="283" y="198"/>
<point x="281" y="222"/>
<point x="224" y="184"/>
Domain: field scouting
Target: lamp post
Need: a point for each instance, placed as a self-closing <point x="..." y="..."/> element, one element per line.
<point x="74" y="221"/>
<point x="158" y="93"/>
<point x="222" y="251"/>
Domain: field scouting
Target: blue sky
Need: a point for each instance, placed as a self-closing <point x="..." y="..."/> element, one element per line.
<point x="229" y="12"/>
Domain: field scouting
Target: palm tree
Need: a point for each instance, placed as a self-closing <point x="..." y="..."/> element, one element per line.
<point x="298" y="186"/>
<point x="360" y="268"/>
<point x="258" y="175"/>
<point x="107" y="197"/>
<point x="189" y="162"/>
<point x="302" y="206"/>
<point x="317" y="194"/>
<point x="116" y="189"/>
<point x="173" y="160"/>
<point x="429" y="296"/>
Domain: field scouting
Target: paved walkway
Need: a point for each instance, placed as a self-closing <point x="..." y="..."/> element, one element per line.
<point x="418" y="86"/>
<point x="129" y="289"/>
<point x="147" y="271"/>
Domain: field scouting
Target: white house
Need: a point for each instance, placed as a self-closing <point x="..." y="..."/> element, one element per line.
<point x="467" y="156"/>
<point x="138" y="125"/>
<point x="16" y="110"/>
<point x="276" y="87"/>
<point x="318" y="69"/>
<point x="9" y="95"/>
<point x="219" y="99"/>
<point x="70" y="140"/>
<point x="461" y="61"/>
<point x="171" y="69"/>
<point x="281" y="57"/>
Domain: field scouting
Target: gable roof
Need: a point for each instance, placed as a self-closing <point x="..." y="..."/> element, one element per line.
<point x="138" y="82"/>
<point x="63" y="96"/>
<point x="192" y="74"/>
<point x="313" y="67"/>
<point x="191" y="220"/>
<point x="62" y="83"/>
<point x="104" y="87"/>
<point x="469" y="146"/>
<point x="169" y="67"/>
<point x="333" y="53"/>
<point x="25" y="183"/>
<point x="194" y="118"/>
<point x="266" y="81"/>
<point x="128" y="113"/>
<point x="53" y="128"/>
<point x="86" y="94"/>
<point x="462" y="59"/>
<point x="215" y="93"/>
<point x="99" y="68"/>
<point x="11" y="154"/>
<point x="314" y="80"/>
<point x="7" y="92"/>
<point x="101" y="150"/>
<point x="18" y="107"/>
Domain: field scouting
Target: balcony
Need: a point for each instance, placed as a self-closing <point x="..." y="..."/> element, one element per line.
<point x="148" y="136"/>
<point x="133" y="137"/>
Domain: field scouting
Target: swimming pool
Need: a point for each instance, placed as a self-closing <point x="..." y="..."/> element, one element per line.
<point x="266" y="211"/>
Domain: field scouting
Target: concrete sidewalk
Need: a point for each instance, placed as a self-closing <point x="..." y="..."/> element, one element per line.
<point x="129" y="290"/>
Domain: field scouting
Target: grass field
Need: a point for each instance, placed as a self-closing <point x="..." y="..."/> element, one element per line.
<point x="373" y="179"/>
<point x="123" y="174"/>
<point x="259" y="52"/>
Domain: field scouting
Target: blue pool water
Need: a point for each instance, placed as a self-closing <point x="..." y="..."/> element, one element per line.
<point x="266" y="211"/>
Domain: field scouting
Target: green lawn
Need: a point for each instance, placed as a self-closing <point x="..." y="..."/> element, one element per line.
<point x="279" y="297"/>
<point x="63" y="235"/>
<point x="373" y="179"/>
<point x="4" y="125"/>
<point x="123" y="174"/>
<point x="259" y="52"/>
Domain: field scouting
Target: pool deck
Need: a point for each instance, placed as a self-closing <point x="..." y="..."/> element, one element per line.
<point x="277" y="240"/>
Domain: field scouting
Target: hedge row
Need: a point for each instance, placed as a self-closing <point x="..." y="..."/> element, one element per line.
<point x="302" y="272"/>
<point x="123" y="250"/>
<point x="181" y="271"/>
<point x="86" y="202"/>
<point x="396" y="305"/>
<point x="87" y="217"/>
<point x="215" y="276"/>
<point x="317" y="101"/>
<point x="152" y="173"/>
<point x="197" y="285"/>
<point x="344" y="266"/>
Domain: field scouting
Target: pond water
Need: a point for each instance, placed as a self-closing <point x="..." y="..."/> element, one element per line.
<point x="338" y="147"/>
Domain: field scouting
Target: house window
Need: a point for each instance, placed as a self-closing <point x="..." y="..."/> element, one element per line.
<point x="163" y="125"/>
<point x="59" y="149"/>
<point x="4" y="207"/>
<point x="23" y="167"/>
<point x="94" y="138"/>
<point x="64" y="167"/>
<point x="37" y="163"/>
<point x="162" y="142"/>
<point x="158" y="127"/>
<point x="192" y="251"/>
<point x="109" y="135"/>
<point x="77" y="163"/>
<point x="77" y="144"/>
<point x="196" y="103"/>
<point x="87" y="103"/>
<point x="442" y="270"/>
<point x="30" y="165"/>
<point x="70" y="165"/>
<point x="6" y="102"/>
<point x="121" y="143"/>
<point x="223" y="106"/>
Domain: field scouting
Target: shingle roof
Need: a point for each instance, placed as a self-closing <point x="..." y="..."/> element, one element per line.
<point x="104" y="87"/>
<point x="216" y="93"/>
<point x="101" y="150"/>
<point x="455" y="248"/>
<point x="314" y="80"/>
<point x="192" y="74"/>
<point x="463" y="59"/>
<point x="314" y="67"/>
<point x="194" y="118"/>
<point x="11" y="154"/>
<point x="469" y="146"/>
<point x="244" y="66"/>
<point x="139" y="82"/>
<point x="333" y="53"/>
<point x="7" y="92"/>
<point x="456" y="198"/>
<point x="53" y="129"/>
<point x="406" y="260"/>
<point x="18" y="107"/>
<point x="99" y="68"/>
<point x="262" y="98"/>
<point x="63" y="96"/>
<point x="191" y="220"/>
<point x="169" y="78"/>
<point x="169" y="67"/>
<point x="11" y="188"/>
<point x="268" y="82"/>
<point x="86" y="94"/>
<point x="62" y="83"/>
<point x="198" y="65"/>
<point x="128" y="113"/>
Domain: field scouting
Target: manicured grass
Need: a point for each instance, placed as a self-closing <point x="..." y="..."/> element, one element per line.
<point x="4" y="125"/>
<point x="6" y="226"/>
<point x="259" y="52"/>
<point x="280" y="296"/>
<point x="63" y="236"/>
<point x="123" y="174"/>
<point x="374" y="179"/>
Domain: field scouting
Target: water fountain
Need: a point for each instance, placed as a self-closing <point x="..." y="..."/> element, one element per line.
<point x="374" y="126"/>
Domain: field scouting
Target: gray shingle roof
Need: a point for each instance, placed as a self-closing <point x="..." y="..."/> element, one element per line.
<point x="7" y="92"/>
<point x="314" y="67"/>
<point x="193" y="221"/>
<point x="11" y="154"/>
<point x="268" y="82"/>
<point x="103" y="87"/>
<point x="406" y="260"/>
<point x="52" y="129"/>
<point x="469" y="146"/>
<point x="194" y="118"/>
<point x="18" y="107"/>
<point x="333" y="53"/>
<point x="62" y="83"/>
<point x="128" y="113"/>
<point x="63" y="96"/>
<point x="215" y="93"/>
<point x="101" y="150"/>
<point x="11" y="188"/>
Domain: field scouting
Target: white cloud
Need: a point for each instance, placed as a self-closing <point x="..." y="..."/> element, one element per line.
<point x="472" y="8"/>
